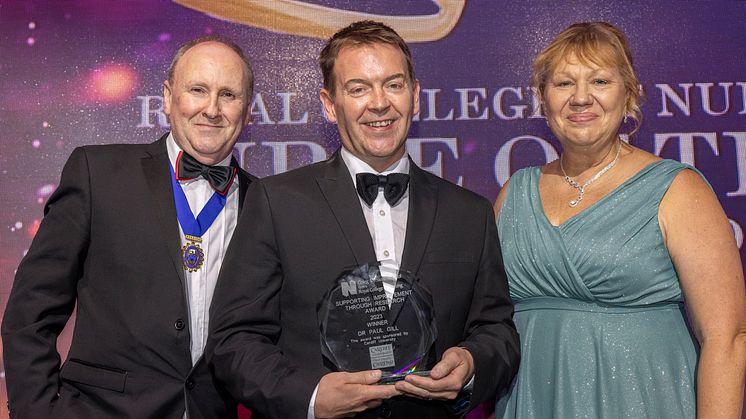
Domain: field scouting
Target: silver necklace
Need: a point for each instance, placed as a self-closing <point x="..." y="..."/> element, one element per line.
<point x="574" y="203"/>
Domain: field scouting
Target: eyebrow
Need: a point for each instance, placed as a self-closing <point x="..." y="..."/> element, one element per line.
<point x="386" y="80"/>
<point x="200" y="83"/>
<point x="238" y="91"/>
<point x="570" y="74"/>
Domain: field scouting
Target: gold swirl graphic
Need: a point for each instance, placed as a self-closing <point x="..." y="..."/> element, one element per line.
<point x="299" y="18"/>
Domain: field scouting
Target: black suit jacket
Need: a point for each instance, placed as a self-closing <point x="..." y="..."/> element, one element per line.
<point x="109" y="242"/>
<point x="297" y="232"/>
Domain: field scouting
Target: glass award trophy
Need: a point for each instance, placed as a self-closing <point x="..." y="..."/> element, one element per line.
<point x="362" y="329"/>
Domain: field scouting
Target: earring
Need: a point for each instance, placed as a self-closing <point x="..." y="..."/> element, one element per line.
<point x="625" y="118"/>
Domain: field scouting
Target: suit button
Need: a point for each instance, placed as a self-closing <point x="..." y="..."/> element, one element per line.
<point x="190" y="384"/>
<point x="179" y="324"/>
<point x="385" y="411"/>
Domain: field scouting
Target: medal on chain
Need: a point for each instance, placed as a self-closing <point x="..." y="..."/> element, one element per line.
<point x="192" y="255"/>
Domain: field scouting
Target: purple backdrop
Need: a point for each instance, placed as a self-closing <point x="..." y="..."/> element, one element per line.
<point x="78" y="72"/>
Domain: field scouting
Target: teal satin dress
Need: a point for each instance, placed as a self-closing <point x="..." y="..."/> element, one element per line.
<point x="599" y="307"/>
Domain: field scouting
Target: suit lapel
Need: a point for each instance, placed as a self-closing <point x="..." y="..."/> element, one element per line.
<point x="338" y="190"/>
<point x="243" y="184"/>
<point x="155" y="167"/>
<point x="423" y="205"/>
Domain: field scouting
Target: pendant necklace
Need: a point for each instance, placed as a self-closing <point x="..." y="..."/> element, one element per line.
<point x="581" y="188"/>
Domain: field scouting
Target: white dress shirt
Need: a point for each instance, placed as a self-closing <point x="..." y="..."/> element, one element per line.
<point x="200" y="285"/>
<point x="387" y="224"/>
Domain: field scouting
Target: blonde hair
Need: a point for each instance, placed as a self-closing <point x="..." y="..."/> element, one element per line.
<point x="597" y="43"/>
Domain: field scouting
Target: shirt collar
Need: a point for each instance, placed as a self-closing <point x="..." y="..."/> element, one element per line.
<point x="355" y="165"/>
<point x="174" y="150"/>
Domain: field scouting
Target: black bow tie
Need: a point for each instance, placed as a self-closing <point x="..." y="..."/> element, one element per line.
<point x="220" y="177"/>
<point x="394" y="186"/>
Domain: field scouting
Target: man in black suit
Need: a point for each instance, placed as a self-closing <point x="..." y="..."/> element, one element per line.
<point x="300" y="229"/>
<point x="120" y="240"/>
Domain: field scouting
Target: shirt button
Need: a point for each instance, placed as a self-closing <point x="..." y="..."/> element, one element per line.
<point x="381" y="213"/>
<point x="179" y="324"/>
<point x="386" y="253"/>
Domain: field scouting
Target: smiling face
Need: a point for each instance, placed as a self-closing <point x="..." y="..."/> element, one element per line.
<point x="207" y="103"/>
<point x="584" y="103"/>
<point x="373" y="102"/>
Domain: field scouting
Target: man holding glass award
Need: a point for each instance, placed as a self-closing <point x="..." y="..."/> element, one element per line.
<point x="363" y="284"/>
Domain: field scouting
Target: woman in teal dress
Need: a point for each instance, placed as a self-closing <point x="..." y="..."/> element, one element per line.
<point x="603" y="246"/>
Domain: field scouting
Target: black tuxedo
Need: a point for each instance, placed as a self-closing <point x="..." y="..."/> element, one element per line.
<point x="109" y="242"/>
<point x="297" y="232"/>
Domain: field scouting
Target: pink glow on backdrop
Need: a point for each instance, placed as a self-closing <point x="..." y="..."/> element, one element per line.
<point x="111" y="83"/>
